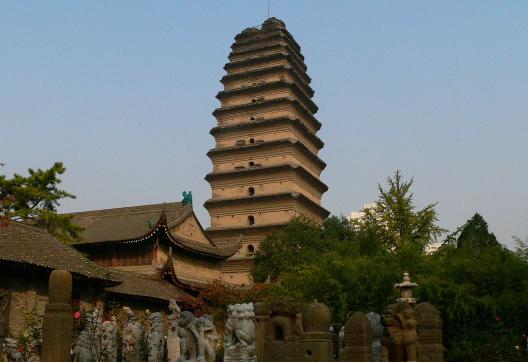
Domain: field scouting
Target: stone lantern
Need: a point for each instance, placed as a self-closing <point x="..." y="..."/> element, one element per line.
<point x="406" y="288"/>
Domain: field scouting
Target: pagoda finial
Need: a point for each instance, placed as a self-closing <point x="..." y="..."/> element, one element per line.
<point x="406" y="288"/>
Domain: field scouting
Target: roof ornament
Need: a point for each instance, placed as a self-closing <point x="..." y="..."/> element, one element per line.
<point x="187" y="198"/>
<point x="406" y="288"/>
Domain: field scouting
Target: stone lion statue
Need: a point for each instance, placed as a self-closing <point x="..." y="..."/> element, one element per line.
<point x="240" y="333"/>
<point x="400" y="338"/>
<point x="198" y="338"/>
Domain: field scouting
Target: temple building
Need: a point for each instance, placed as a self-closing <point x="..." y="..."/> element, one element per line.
<point x="266" y="168"/>
<point x="265" y="172"/>
<point x="158" y="240"/>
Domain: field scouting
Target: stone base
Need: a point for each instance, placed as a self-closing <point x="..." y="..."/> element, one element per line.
<point x="240" y="354"/>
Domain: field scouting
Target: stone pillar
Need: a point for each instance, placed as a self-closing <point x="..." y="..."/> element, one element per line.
<point x="429" y="332"/>
<point x="173" y="341"/>
<point x="57" y="327"/>
<point x="262" y="317"/>
<point x="316" y="339"/>
<point x="358" y="339"/>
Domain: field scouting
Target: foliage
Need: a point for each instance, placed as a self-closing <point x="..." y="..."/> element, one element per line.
<point x="395" y="220"/>
<point x="521" y="247"/>
<point x="34" y="199"/>
<point x="476" y="284"/>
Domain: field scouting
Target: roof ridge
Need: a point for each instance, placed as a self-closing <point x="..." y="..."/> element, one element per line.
<point x="130" y="209"/>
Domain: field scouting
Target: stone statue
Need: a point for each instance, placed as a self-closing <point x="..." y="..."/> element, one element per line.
<point x="341" y="341"/>
<point x="11" y="350"/>
<point x="109" y="340"/>
<point x="198" y="338"/>
<point x="377" y="333"/>
<point x="156" y="338"/>
<point x="87" y="346"/>
<point x="240" y="334"/>
<point x="400" y="338"/>
<point x="132" y="336"/>
<point x="187" y="198"/>
<point x="173" y="341"/>
<point x="34" y="351"/>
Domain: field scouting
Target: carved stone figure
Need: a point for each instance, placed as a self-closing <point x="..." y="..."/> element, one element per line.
<point x="87" y="346"/>
<point x="430" y="333"/>
<point x="11" y="350"/>
<point x="400" y="338"/>
<point x="82" y="350"/>
<point x="341" y="341"/>
<point x="132" y="336"/>
<point x="156" y="338"/>
<point x="109" y="340"/>
<point x="240" y="334"/>
<point x="34" y="351"/>
<point x="173" y="340"/>
<point x="377" y="333"/>
<point x="198" y="338"/>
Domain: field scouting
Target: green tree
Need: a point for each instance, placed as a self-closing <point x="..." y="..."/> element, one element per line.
<point x="396" y="221"/>
<point x="34" y="199"/>
<point x="475" y="235"/>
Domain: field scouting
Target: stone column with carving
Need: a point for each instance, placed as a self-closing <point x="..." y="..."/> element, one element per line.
<point x="173" y="340"/>
<point x="429" y="332"/>
<point x="316" y="339"/>
<point x="57" y="327"/>
<point x="358" y="339"/>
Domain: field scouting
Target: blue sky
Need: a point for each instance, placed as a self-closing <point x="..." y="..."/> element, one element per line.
<point x="122" y="92"/>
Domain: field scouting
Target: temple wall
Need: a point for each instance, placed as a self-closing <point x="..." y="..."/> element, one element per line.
<point x="194" y="269"/>
<point x="190" y="229"/>
<point x="237" y="272"/>
<point x="265" y="133"/>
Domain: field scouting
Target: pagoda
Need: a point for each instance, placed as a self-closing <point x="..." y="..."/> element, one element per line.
<point x="266" y="168"/>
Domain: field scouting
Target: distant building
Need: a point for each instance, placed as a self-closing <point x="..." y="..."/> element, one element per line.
<point x="358" y="215"/>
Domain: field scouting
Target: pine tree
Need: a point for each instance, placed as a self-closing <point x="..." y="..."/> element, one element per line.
<point x="34" y="199"/>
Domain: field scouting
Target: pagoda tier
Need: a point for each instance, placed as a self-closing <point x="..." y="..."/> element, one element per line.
<point x="266" y="167"/>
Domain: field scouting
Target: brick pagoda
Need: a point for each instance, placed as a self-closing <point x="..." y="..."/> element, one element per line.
<point x="265" y="165"/>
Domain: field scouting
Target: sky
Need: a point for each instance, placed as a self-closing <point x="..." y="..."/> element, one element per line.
<point x="122" y="93"/>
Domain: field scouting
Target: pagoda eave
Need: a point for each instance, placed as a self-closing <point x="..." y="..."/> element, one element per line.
<point x="270" y="121"/>
<point x="268" y="70"/>
<point x="277" y="101"/>
<point x="209" y="204"/>
<point x="222" y="95"/>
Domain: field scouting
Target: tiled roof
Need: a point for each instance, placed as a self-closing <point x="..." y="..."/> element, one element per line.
<point x="127" y="223"/>
<point x="24" y="244"/>
<point x="141" y="223"/>
<point x="141" y="285"/>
